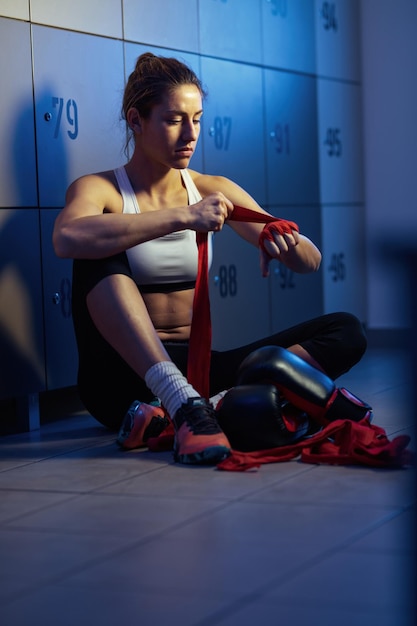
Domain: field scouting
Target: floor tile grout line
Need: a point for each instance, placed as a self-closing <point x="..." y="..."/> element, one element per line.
<point x="5" y="525"/>
<point x="47" y="458"/>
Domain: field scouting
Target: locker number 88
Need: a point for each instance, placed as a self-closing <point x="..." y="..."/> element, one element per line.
<point x="227" y="281"/>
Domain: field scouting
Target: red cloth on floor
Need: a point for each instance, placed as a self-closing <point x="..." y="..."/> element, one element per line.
<point x="342" y="442"/>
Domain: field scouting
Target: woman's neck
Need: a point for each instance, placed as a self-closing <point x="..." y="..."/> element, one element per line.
<point x="161" y="188"/>
<point x="152" y="179"/>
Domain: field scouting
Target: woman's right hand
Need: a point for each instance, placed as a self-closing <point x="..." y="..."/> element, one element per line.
<point x="210" y="213"/>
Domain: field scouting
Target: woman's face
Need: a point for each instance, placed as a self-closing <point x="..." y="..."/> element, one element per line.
<point x="169" y="136"/>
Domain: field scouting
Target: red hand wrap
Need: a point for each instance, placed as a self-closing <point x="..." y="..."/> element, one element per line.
<point x="280" y="226"/>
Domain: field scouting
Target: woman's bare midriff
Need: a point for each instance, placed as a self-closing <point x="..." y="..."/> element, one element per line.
<point x="171" y="313"/>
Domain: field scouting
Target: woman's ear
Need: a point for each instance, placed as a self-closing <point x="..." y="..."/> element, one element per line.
<point x="134" y="120"/>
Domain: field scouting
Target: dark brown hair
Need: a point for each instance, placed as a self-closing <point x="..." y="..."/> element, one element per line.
<point x="151" y="79"/>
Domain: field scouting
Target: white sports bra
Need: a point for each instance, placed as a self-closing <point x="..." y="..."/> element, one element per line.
<point x="168" y="263"/>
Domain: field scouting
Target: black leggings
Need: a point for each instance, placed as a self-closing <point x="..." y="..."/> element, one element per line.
<point x="107" y="385"/>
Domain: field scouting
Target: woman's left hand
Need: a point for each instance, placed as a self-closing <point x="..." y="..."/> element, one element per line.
<point x="274" y="249"/>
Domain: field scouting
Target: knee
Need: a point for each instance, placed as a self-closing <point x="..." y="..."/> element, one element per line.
<point x="353" y="339"/>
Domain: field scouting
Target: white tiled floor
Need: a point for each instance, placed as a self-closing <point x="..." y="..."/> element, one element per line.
<point x="91" y="535"/>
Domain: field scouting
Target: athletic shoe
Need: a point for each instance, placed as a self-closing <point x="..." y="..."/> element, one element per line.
<point x="141" y="422"/>
<point x="198" y="436"/>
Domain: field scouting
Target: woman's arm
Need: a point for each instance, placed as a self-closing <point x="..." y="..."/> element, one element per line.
<point x="92" y="225"/>
<point x="295" y="251"/>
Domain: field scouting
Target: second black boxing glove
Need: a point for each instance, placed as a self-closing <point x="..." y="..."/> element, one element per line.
<point x="304" y="386"/>
<point x="253" y="418"/>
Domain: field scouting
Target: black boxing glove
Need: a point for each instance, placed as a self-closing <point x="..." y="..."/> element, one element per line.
<point x="253" y="418"/>
<point x="302" y="385"/>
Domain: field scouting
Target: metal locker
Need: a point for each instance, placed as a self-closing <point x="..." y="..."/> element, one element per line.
<point x="233" y="124"/>
<point x="291" y="138"/>
<point x="288" y="35"/>
<point x="78" y="93"/>
<point x="231" y="29"/>
<point x="61" y="354"/>
<point x="22" y="359"/>
<point x="238" y="292"/>
<point x="340" y="142"/>
<point x="343" y="263"/>
<point x="133" y="50"/>
<point x="162" y="23"/>
<point x="296" y="297"/>
<point x="338" y="39"/>
<point x="18" y="9"/>
<point x="94" y="16"/>
<point x="17" y="132"/>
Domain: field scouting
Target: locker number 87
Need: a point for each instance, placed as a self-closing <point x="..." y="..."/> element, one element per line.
<point x="221" y="131"/>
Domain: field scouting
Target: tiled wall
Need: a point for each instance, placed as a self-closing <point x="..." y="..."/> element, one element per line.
<point x="282" y="119"/>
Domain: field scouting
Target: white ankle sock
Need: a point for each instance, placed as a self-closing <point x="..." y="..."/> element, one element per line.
<point x="166" y="381"/>
<point x="214" y="400"/>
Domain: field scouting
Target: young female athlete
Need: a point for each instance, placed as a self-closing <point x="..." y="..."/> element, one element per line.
<point x="132" y="234"/>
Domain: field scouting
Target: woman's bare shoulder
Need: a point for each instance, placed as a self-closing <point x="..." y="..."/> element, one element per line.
<point x="208" y="183"/>
<point x="97" y="179"/>
<point x="99" y="188"/>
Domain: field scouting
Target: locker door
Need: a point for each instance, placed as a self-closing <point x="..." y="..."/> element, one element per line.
<point x="231" y="29"/>
<point x="288" y="35"/>
<point x="94" y="16"/>
<point x="78" y="92"/>
<point x="22" y="359"/>
<point x="162" y="23"/>
<point x="344" y="260"/>
<point x="340" y="142"/>
<point x="238" y="293"/>
<point x="233" y="124"/>
<point x="133" y="51"/>
<point x="17" y="8"/>
<point x="291" y="138"/>
<point x="17" y="133"/>
<point x="60" y="348"/>
<point x="337" y="39"/>
<point x="295" y="297"/>
<point x="233" y="147"/>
